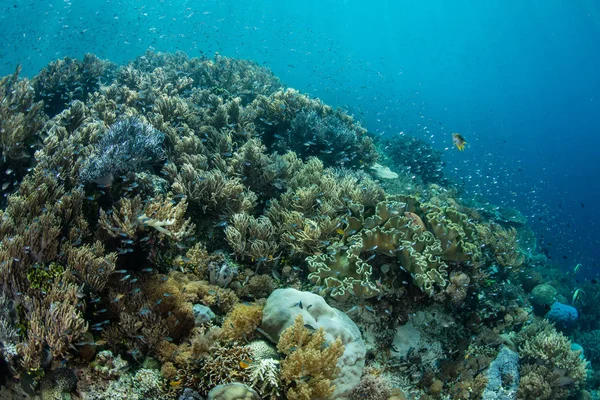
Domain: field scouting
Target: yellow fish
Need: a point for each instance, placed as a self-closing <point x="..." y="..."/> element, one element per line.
<point x="576" y="269"/>
<point x="459" y="141"/>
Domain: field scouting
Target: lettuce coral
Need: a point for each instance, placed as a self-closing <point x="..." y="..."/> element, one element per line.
<point x="421" y="246"/>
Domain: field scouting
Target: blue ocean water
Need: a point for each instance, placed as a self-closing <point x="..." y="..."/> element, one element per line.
<point x="518" y="79"/>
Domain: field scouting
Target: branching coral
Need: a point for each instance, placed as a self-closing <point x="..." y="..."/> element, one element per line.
<point x="546" y="356"/>
<point x="308" y="369"/>
<point x="503" y="244"/>
<point x="20" y="119"/>
<point x="91" y="265"/>
<point x="315" y="205"/>
<point x="292" y="121"/>
<point x="264" y="376"/>
<point x="241" y="322"/>
<point x="225" y="366"/>
<point x="68" y="79"/>
<point x="135" y="219"/>
<point x="55" y="321"/>
<point x="128" y="145"/>
<point x="212" y="190"/>
<point x="252" y="238"/>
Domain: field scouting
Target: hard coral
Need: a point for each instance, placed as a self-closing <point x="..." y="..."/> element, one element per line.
<point x="371" y="387"/>
<point x="253" y="238"/>
<point x="292" y="121"/>
<point x="224" y="365"/>
<point x="68" y="79"/>
<point x="162" y="219"/>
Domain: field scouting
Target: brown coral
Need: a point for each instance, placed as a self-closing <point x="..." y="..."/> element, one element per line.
<point x="308" y="370"/>
<point x="242" y="321"/>
<point x="548" y="354"/>
<point x="21" y="118"/>
<point x="225" y="365"/>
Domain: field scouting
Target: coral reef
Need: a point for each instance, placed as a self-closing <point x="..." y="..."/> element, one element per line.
<point x="161" y="218"/>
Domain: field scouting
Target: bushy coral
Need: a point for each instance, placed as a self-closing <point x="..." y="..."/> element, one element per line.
<point x="308" y="369"/>
<point x="241" y="322"/>
<point x="503" y="245"/>
<point x="69" y="79"/>
<point x="292" y="121"/>
<point x="21" y="119"/>
<point x="224" y="365"/>
<point x="547" y="358"/>
<point x="128" y="145"/>
<point x="264" y="376"/>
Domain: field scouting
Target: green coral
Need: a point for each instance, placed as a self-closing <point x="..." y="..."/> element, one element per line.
<point x="41" y="277"/>
<point x="543" y="295"/>
<point x="590" y="341"/>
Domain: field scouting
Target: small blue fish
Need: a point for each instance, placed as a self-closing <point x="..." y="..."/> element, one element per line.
<point x="298" y="304"/>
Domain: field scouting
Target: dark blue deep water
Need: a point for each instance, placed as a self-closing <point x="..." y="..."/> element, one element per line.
<point x="518" y="79"/>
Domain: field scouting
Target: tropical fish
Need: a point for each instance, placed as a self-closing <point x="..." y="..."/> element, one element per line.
<point x="459" y="141"/>
<point x="577" y="268"/>
<point x="577" y="296"/>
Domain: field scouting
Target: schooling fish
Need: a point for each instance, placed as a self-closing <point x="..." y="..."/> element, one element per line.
<point x="459" y="141"/>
